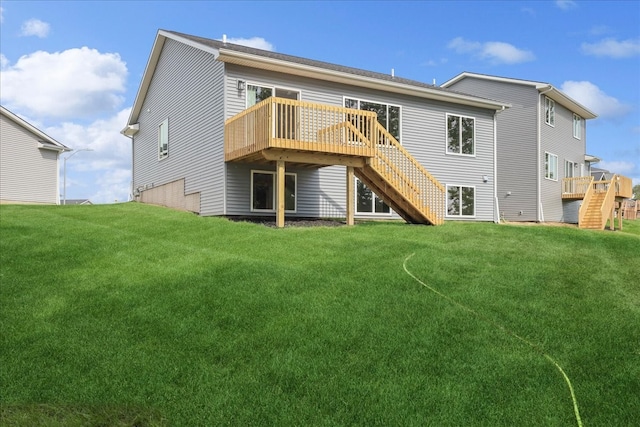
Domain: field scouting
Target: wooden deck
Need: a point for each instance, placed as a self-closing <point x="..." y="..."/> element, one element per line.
<point x="599" y="199"/>
<point x="316" y="135"/>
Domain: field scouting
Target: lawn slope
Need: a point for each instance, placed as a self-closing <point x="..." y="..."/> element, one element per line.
<point x="140" y="315"/>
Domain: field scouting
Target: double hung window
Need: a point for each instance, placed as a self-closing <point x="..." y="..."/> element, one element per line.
<point x="549" y="111"/>
<point x="461" y="135"/>
<point x="461" y="201"/>
<point x="551" y="166"/>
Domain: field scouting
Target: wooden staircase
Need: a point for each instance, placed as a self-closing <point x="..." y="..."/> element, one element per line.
<point x="401" y="182"/>
<point x="593" y="215"/>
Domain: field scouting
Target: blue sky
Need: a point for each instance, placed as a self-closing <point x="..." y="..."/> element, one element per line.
<point x="73" y="68"/>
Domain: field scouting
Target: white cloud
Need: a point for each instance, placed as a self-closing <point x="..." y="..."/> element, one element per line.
<point x="108" y="166"/>
<point x="495" y="52"/>
<point x="592" y="97"/>
<point x="256" y="42"/>
<point x="4" y="62"/>
<point x="35" y="27"/>
<point x="612" y="48"/>
<point x="617" y="166"/>
<point x="566" y="4"/>
<point x="70" y="84"/>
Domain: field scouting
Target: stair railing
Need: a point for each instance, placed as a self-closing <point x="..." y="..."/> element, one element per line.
<point x="607" y="203"/>
<point x="588" y="194"/>
<point x="408" y="177"/>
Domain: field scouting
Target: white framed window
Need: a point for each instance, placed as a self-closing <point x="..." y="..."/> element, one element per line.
<point x="263" y="191"/>
<point x="367" y="202"/>
<point x="388" y="115"/>
<point x="461" y="135"/>
<point x="163" y="139"/>
<point x="549" y="111"/>
<point x="577" y="126"/>
<point x="461" y="201"/>
<point x="551" y="166"/>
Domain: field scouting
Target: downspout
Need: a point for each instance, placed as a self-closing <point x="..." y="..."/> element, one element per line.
<point x="496" y="212"/>
<point x="133" y="163"/>
<point x="540" y="214"/>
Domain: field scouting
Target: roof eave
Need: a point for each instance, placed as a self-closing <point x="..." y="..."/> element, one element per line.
<point x="257" y="61"/>
<point x="46" y="139"/>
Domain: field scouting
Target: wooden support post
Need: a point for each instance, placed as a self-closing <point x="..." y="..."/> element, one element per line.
<point x="280" y="194"/>
<point x="350" y="196"/>
<point x="620" y="213"/>
<point x="612" y="225"/>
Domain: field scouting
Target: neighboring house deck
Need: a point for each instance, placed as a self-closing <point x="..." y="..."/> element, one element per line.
<point x="223" y="129"/>
<point x="541" y="151"/>
<point x="29" y="170"/>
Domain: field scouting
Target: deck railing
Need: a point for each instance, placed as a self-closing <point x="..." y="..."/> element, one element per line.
<point x="408" y="177"/>
<point x="624" y="186"/>
<point x="576" y="188"/>
<point x="291" y="124"/>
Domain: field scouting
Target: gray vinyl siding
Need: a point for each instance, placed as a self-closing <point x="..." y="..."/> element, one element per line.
<point x="517" y="142"/>
<point x="559" y="140"/>
<point x="423" y="134"/>
<point x="28" y="174"/>
<point x="187" y="88"/>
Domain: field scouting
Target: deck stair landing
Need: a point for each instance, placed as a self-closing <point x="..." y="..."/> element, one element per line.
<point x="279" y="129"/>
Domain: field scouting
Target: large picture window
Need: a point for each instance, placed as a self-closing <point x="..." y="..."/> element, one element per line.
<point x="549" y="111"/>
<point x="263" y="191"/>
<point x="368" y="202"/>
<point x="551" y="166"/>
<point x="461" y="201"/>
<point x="461" y="135"/>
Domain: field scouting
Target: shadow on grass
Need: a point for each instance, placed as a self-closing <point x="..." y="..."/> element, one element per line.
<point x="51" y="415"/>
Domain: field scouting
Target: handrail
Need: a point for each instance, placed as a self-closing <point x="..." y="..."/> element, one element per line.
<point x="607" y="203"/>
<point x="400" y="169"/>
<point x="588" y="194"/>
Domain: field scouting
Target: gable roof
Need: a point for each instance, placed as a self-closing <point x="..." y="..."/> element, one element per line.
<point x="548" y="89"/>
<point x="267" y="60"/>
<point x="45" y="142"/>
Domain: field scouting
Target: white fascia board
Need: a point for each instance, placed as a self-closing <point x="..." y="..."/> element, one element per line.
<point x="149" y="70"/>
<point x="561" y="98"/>
<point x="548" y="89"/>
<point x="273" y="64"/>
<point x="47" y="142"/>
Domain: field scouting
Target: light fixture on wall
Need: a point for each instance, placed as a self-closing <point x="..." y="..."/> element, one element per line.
<point x="485" y="178"/>
<point x="241" y="85"/>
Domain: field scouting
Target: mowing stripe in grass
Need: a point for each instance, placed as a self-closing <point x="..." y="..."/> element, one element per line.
<point x="505" y="330"/>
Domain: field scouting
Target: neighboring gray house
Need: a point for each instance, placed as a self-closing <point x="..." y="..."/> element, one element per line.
<point x="224" y="129"/>
<point x="541" y="141"/>
<point x="28" y="162"/>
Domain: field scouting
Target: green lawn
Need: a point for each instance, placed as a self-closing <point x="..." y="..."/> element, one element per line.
<point x="130" y="315"/>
